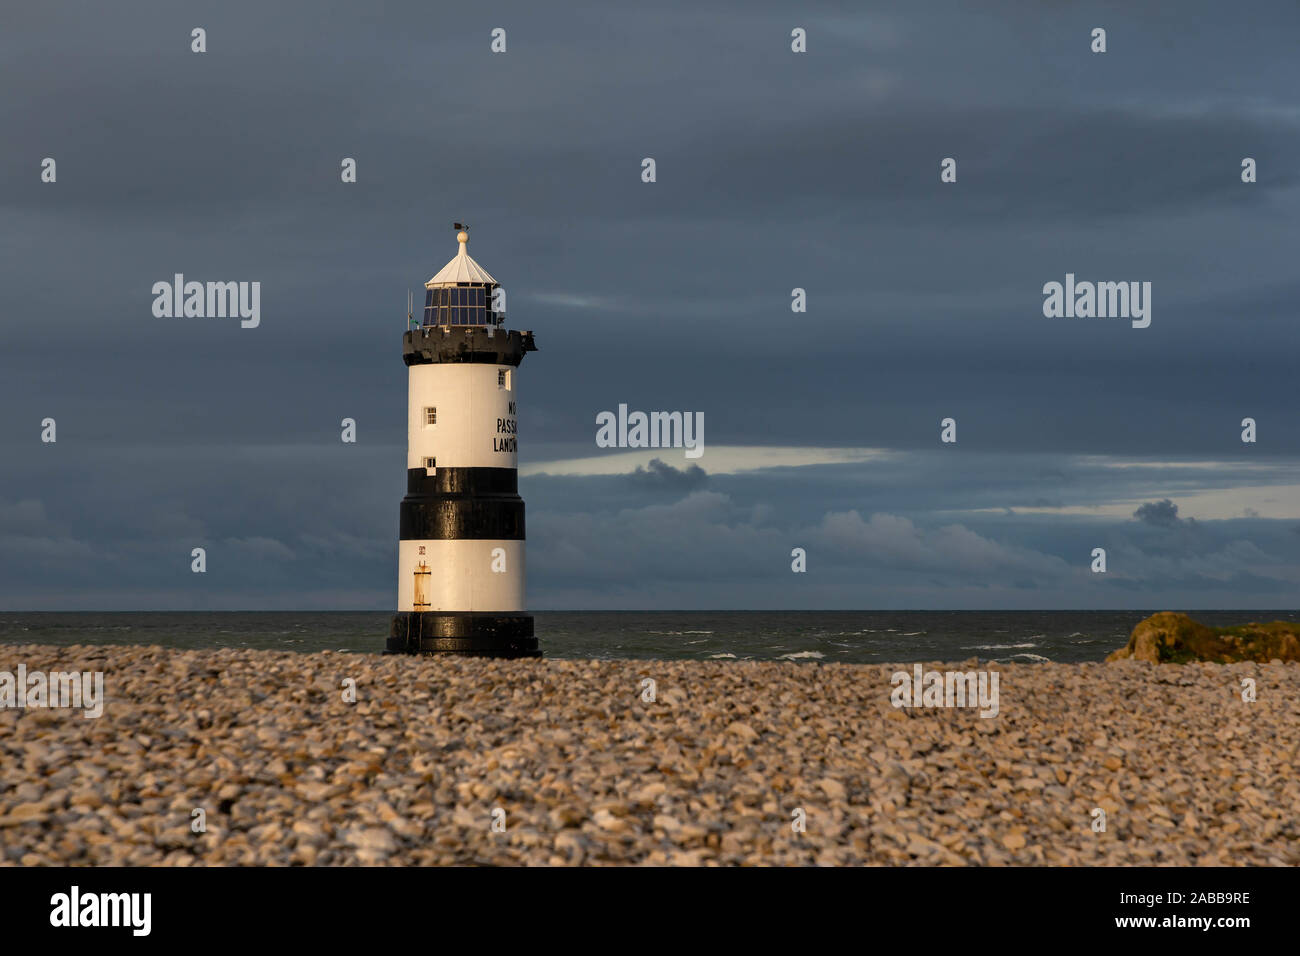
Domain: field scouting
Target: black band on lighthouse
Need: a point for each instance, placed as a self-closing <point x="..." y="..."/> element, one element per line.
<point x="461" y="481"/>
<point x="441" y="344"/>
<point x="478" y="635"/>
<point x="450" y="519"/>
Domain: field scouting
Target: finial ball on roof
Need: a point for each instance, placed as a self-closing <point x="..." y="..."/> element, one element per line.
<point x="462" y="237"/>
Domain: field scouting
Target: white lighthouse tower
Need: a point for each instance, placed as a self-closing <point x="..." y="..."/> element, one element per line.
<point x="460" y="569"/>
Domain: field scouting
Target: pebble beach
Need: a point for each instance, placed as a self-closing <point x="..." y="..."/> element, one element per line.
<point x="566" y="762"/>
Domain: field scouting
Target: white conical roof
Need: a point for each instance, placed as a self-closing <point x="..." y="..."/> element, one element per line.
<point x="461" y="269"/>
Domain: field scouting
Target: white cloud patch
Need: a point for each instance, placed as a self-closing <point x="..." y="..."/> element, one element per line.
<point x="717" y="459"/>
<point x="898" y="543"/>
<point x="576" y="300"/>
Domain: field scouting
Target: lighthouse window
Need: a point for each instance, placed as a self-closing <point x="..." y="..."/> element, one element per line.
<point x="430" y="416"/>
<point x="458" y="305"/>
<point x="501" y="378"/>
<point x="430" y="466"/>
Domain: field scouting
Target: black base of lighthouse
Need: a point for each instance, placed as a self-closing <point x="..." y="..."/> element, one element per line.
<point x="464" y="633"/>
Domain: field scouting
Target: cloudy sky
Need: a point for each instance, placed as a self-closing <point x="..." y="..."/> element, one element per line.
<point x="775" y="170"/>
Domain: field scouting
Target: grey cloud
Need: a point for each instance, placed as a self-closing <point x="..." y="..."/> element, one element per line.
<point x="1162" y="514"/>
<point x="895" y="542"/>
<point x="660" y="475"/>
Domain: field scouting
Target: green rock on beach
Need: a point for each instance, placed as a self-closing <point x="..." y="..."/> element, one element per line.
<point x="1169" y="638"/>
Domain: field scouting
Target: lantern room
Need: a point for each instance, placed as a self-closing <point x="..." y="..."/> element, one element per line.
<point x="461" y="293"/>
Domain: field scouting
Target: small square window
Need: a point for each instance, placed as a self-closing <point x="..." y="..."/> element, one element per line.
<point x="430" y="466"/>
<point x="503" y="378"/>
<point x="430" y="415"/>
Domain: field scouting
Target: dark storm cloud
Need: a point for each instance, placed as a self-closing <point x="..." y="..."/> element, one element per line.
<point x="709" y="549"/>
<point x="1162" y="514"/>
<point x="906" y="532"/>
<point x="659" y="475"/>
<point x="775" y="171"/>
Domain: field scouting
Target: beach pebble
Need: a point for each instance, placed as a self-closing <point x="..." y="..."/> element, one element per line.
<point x="735" y="763"/>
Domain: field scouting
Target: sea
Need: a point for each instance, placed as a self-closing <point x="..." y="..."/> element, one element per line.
<point x="855" y="637"/>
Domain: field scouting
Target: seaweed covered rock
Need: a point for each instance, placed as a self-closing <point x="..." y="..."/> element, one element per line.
<point x="1169" y="638"/>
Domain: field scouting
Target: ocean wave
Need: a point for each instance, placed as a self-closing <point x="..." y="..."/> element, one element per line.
<point x="59" y="627"/>
<point x="1034" y="657"/>
<point x="801" y="656"/>
<point x="913" y="634"/>
<point x="996" y="647"/>
<point x="724" y="654"/>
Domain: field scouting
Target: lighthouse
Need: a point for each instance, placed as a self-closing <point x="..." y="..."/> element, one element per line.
<point x="460" y="566"/>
